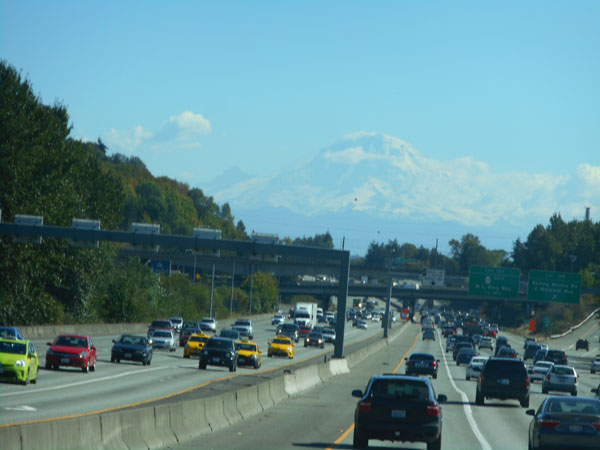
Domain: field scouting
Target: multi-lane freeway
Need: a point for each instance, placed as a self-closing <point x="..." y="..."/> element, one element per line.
<point x="323" y="416"/>
<point x="70" y="392"/>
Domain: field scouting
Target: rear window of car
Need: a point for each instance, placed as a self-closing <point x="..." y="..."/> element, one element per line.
<point x="578" y="405"/>
<point x="162" y="324"/>
<point x="396" y="389"/>
<point x="505" y="366"/>
<point x="563" y="370"/>
<point x="421" y="357"/>
<point x="555" y="353"/>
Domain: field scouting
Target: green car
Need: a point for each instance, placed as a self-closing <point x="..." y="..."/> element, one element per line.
<point x="18" y="361"/>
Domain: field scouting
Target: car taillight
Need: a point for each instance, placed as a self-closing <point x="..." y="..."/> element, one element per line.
<point x="433" y="364"/>
<point x="409" y="363"/>
<point x="548" y="423"/>
<point x="548" y="376"/>
<point x="596" y="425"/>
<point x="481" y="379"/>
<point x="365" y="406"/>
<point x="432" y="409"/>
<point x="527" y="381"/>
<point x="575" y="379"/>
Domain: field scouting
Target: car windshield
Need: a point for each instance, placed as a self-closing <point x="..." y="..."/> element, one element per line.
<point x="198" y="339"/>
<point x="244" y="346"/>
<point x="161" y="324"/>
<point x="395" y="389"/>
<point x="162" y="334"/>
<point x="132" y="340"/>
<point x="16" y="348"/>
<point x="245" y="323"/>
<point x="280" y="341"/>
<point x="71" y="341"/>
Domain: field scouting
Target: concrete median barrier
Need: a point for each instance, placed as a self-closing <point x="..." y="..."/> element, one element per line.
<point x="111" y="431"/>
<point x="230" y="407"/>
<point x="324" y="371"/>
<point x="289" y="382"/>
<point x="247" y="401"/>
<point x="215" y="414"/>
<point x="307" y="377"/>
<point x="264" y="395"/>
<point x="39" y="435"/>
<point x="10" y="438"/>
<point x="338" y="366"/>
<point x="162" y="421"/>
<point x="277" y="390"/>
<point x="89" y="432"/>
<point x="138" y="429"/>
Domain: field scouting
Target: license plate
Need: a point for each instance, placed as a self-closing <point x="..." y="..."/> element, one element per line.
<point x="575" y="428"/>
<point x="127" y="355"/>
<point x="216" y="360"/>
<point x="398" y="414"/>
<point x="504" y="381"/>
<point x="64" y="361"/>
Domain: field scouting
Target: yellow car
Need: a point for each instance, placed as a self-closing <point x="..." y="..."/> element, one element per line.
<point x="18" y="361"/>
<point x="195" y="344"/>
<point x="281" y="345"/>
<point x="248" y="354"/>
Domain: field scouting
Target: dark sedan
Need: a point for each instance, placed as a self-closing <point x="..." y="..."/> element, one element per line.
<point x="565" y="422"/>
<point x="428" y="333"/>
<point x="315" y="339"/>
<point x="398" y="408"/>
<point x="132" y="348"/>
<point x="422" y="364"/>
<point x="465" y="355"/>
<point x="219" y="351"/>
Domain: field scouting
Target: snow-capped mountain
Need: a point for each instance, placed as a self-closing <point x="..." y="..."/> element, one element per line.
<point x="374" y="180"/>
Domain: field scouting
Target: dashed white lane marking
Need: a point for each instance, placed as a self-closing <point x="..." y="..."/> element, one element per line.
<point x="20" y="408"/>
<point x="466" y="406"/>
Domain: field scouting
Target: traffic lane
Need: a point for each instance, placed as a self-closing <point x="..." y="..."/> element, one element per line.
<point x="317" y="418"/>
<point x="69" y="391"/>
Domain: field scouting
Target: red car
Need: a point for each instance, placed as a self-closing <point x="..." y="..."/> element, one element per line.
<point x="73" y="351"/>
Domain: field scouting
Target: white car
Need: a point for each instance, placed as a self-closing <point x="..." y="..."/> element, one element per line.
<point x="177" y="323"/>
<point x="560" y="378"/>
<point x="211" y="323"/>
<point x="164" y="339"/>
<point x="475" y="367"/>
<point x="277" y="319"/>
<point x="362" y="324"/>
<point x="595" y="364"/>
<point x="328" y="334"/>
<point x="245" y="323"/>
<point x="540" y="370"/>
<point x="486" y="342"/>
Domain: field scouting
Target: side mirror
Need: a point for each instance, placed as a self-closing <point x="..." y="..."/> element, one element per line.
<point x="94" y="347"/>
<point x="595" y="390"/>
<point x="530" y="412"/>
<point x="357" y="393"/>
<point x="48" y="343"/>
<point x="114" y="341"/>
<point x="442" y="398"/>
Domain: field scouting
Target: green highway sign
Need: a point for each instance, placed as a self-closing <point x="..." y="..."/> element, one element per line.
<point x="547" y="322"/>
<point x="498" y="282"/>
<point x="561" y="287"/>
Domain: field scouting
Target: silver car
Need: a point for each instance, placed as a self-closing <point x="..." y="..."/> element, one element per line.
<point x="475" y="367"/>
<point x="164" y="339"/>
<point x="540" y="370"/>
<point x="595" y="364"/>
<point x="560" y="378"/>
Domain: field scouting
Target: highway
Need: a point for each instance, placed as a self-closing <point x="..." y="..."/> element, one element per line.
<point x="323" y="416"/>
<point x="70" y="392"/>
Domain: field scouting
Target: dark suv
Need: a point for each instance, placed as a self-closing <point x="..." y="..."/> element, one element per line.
<point x="219" y="351"/>
<point x="503" y="378"/>
<point x="398" y="408"/>
<point x="582" y="343"/>
<point x="557" y="357"/>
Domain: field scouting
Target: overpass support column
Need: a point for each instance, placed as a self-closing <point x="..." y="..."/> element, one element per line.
<point x="338" y="351"/>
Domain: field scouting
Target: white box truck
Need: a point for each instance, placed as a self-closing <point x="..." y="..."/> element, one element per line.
<point x="306" y="314"/>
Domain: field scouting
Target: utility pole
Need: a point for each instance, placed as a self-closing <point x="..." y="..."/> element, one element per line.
<point x="212" y="288"/>
<point x="232" y="285"/>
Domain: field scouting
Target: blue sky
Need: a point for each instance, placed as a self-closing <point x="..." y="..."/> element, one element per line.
<point x="194" y="88"/>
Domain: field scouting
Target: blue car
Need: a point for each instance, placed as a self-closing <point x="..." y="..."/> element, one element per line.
<point x="132" y="348"/>
<point x="11" y="333"/>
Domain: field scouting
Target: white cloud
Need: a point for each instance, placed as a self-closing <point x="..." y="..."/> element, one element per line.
<point x="184" y="131"/>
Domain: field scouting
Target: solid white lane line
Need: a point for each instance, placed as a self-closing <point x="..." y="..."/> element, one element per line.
<point x="466" y="406"/>
<point x="79" y="383"/>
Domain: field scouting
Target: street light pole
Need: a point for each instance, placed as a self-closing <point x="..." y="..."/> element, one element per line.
<point x="212" y="288"/>
<point x="232" y="284"/>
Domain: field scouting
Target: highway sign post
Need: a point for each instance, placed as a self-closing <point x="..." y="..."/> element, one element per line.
<point x="433" y="277"/>
<point x="498" y="282"/>
<point x="561" y="287"/>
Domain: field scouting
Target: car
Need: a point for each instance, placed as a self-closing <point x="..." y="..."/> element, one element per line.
<point x="195" y="344"/>
<point x="328" y="334"/>
<point x="246" y="323"/>
<point x="507" y="352"/>
<point x="583" y="344"/>
<point x="230" y="334"/>
<point x="71" y="350"/>
<point x="219" y="351"/>
<point x="465" y="354"/>
<point x="422" y="364"/>
<point x="210" y="323"/>
<point x="501" y="341"/>
<point x="248" y="354"/>
<point x="458" y="346"/>
<point x="540" y="355"/>
<point x="503" y="378"/>
<point x="539" y="370"/>
<point x="177" y="323"/>
<point x="315" y="339"/>
<point x="529" y="341"/>
<point x="531" y="350"/>
<point x="595" y="365"/>
<point x="277" y="319"/>
<point x="428" y="334"/>
<point x="362" y="324"/>
<point x="243" y="331"/>
<point x="290" y="330"/>
<point x="450" y="343"/>
<point x="164" y="339"/>
<point x="18" y="360"/>
<point x="187" y="330"/>
<point x="329" y="316"/>
<point x="160" y="324"/>
<point x="304" y="330"/>
<point x="130" y="347"/>
<point x="448" y="330"/>
<point x="206" y="327"/>
<point x="475" y="367"/>
<point x="411" y="409"/>
<point x="486" y="342"/>
<point x="557" y="357"/>
<point x="11" y="333"/>
<point x="476" y="338"/>
<point x="281" y="345"/>
<point x="565" y="422"/>
<point x="560" y="378"/>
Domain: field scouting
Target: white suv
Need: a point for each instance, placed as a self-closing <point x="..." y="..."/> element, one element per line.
<point x="212" y="323"/>
<point x="247" y="324"/>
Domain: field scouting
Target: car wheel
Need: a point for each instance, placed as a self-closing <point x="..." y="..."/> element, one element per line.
<point x="118" y="361"/>
<point x="232" y="368"/>
<point x="48" y="366"/>
<point x="435" y="376"/>
<point x="467" y="378"/>
<point x="458" y="363"/>
<point x="93" y="366"/>
<point x="149" y="360"/>
<point x="525" y="402"/>
<point x="435" y="445"/>
<point x="305" y="344"/>
<point x="479" y="399"/>
<point x="112" y="359"/>
<point x="593" y="371"/>
<point x="202" y="366"/>
<point x="144" y="362"/>
<point x="25" y="382"/>
<point x="256" y="365"/>
<point x="269" y="355"/>
<point x="186" y="356"/>
<point x="574" y="393"/>
<point x="86" y="368"/>
<point x="544" y="390"/>
<point x="290" y="356"/>
<point x="358" y="441"/>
